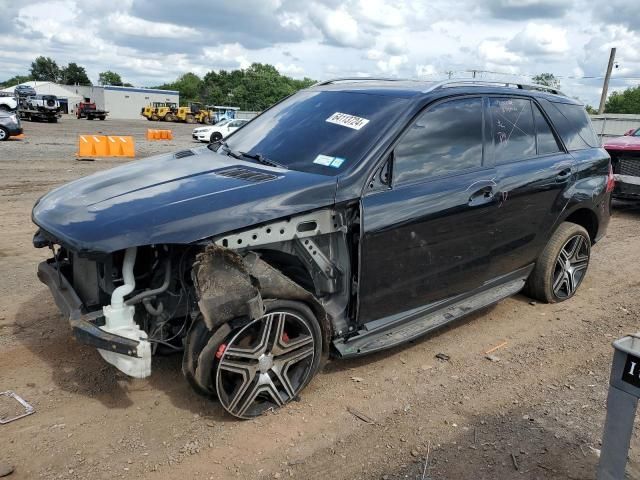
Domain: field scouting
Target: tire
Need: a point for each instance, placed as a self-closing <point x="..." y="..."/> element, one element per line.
<point x="259" y="365"/>
<point x="154" y="118"/>
<point x="190" y="119"/>
<point x="4" y="134"/>
<point x="562" y="266"/>
<point x="215" y="137"/>
<point x="102" y="118"/>
<point x="169" y="117"/>
<point x="4" y="108"/>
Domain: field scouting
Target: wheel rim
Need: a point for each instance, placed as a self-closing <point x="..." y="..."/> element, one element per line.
<point x="3" y="134"/>
<point x="571" y="266"/>
<point x="265" y="365"/>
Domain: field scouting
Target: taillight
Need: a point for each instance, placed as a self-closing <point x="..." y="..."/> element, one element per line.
<point x="611" y="181"/>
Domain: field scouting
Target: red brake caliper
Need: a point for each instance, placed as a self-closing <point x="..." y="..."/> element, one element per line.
<point x="285" y="337"/>
<point x="220" y="351"/>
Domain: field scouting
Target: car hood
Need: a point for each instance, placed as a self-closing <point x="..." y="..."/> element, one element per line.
<point x="623" y="143"/>
<point x="175" y="199"/>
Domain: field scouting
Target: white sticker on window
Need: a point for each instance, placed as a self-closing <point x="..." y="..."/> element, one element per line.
<point x="324" y="160"/>
<point x="327" y="161"/>
<point x="346" y="120"/>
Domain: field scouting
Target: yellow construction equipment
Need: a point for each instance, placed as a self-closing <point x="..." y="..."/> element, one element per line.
<point x="160" y="111"/>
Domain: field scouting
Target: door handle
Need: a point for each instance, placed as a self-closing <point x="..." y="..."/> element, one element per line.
<point x="481" y="197"/>
<point x="564" y="175"/>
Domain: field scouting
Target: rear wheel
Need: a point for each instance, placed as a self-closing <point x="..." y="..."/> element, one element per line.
<point x="562" y="266"/>
<point x="4" y="134"/>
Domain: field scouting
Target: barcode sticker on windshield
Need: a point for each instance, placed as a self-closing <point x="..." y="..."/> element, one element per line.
<point x="346" y="120"/>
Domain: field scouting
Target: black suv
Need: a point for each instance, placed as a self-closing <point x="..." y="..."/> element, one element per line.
<point x="348" y="218"/>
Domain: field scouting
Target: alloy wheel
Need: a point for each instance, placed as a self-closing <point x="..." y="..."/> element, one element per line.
<point x="266" y="364"/>
<point x="3" y="134"/>
<point x="571" y="266"/>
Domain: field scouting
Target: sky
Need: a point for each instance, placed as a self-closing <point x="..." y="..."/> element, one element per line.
<point x="150" y="42"/>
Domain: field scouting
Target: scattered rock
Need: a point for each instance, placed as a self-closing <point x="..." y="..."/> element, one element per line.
<point x="493" y="358"/>
<point x="5" y="469"/>
<point x="443" y="356"/>
<point x="415" y="453"/>
<point x="357" y="379"/>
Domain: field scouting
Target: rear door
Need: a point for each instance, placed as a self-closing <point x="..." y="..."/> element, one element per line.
<point x="532" y="173"/>
<point x="427" y="237"/>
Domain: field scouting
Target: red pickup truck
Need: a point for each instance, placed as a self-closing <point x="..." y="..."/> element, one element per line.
<point x="625" y="158"/>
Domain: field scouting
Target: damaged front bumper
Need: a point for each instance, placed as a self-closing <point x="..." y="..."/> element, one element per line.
<point x="85" y="326"/>
<point x="627" y="186"/>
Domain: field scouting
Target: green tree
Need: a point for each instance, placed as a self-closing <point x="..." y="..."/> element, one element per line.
<point x="627" y="101"/>
<point x="74" y="74"/>
<point x="591" y="110"/>
<point x="548" y="79"/>
<point x="17" y="80"/>
<point x="110" y="78"/>
<point x="45" y="69"/>
<point x="189" y="85"/>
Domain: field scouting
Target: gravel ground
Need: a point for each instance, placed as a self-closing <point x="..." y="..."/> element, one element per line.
<point x="534" y="412"/>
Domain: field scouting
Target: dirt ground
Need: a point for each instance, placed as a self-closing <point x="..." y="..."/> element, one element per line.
<point x="537" y="411"/>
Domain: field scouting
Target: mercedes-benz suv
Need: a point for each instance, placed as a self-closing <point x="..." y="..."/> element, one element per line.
<point x="348" y="218"/>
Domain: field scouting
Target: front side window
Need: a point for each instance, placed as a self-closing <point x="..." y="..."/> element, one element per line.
<point x="513" y="129"/>
<point x="447" y="138"/>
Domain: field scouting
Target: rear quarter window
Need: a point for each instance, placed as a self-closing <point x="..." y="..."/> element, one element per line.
<point x="573" y="125"/>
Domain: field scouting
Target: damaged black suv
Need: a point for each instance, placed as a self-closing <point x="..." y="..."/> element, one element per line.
<point x="348" y="218"/>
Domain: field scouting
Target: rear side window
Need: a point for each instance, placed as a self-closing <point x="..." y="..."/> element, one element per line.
<point x="573" y="125"/>
<point x="446" y="138"/>
<point x="514" y="132"/>
<point x="547" y="142"/>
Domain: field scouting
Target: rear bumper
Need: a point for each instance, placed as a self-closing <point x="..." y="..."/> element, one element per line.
<point x="13" y="131"/>
<point x="85" y="326"/>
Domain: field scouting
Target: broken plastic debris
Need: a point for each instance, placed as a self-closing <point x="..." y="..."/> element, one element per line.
<point x="28" y="408"/>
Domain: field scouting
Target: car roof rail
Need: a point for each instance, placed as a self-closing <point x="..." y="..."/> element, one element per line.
<point x="359" y="79"/>
<point x="494" y="83"/>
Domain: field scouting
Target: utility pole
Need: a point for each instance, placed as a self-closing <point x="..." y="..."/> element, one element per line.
<point x="605" y="86"/>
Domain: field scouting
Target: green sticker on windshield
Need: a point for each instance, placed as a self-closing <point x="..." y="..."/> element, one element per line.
<point x="327" y="161"/>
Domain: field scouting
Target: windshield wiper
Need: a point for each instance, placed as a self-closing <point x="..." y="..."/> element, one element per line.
<point x="258" y="158"/>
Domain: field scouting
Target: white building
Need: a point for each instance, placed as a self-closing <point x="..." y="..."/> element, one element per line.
<point x="120" y="102"/>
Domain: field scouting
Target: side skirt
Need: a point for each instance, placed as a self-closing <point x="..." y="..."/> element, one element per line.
<point x="419" y="322"/>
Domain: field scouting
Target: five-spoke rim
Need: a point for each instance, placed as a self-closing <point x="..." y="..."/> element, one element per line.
<point x="571" y="266"/>
<point x="265" y="364"/>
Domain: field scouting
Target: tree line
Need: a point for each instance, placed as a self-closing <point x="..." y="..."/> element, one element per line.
<point x="254" y="88"/>
<point x="46" y="69"/>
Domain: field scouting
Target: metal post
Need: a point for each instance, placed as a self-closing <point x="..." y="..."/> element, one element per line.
<point x="605" y="86"/>
<point x="622" y="402"/>
<point x="618" y="428"/>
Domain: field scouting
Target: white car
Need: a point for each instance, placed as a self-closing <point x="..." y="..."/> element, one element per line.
<point x="220" y="130"/>
<point x="8" y="103"/>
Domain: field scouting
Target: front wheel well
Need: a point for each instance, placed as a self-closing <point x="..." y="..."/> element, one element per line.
<point x="586" y="219"/>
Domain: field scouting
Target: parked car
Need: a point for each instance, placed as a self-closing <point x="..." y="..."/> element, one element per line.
<point x="625" y="157"/>
<point x="217" y="132"/>
<point x="43" y="103"/>
<point x="349" y="218"/>
<point x="8" y="103"/>
<point x="10" y="125"/>
<point x="24" y="91"/>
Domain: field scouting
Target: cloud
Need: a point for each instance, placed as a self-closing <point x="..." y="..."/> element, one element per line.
<point x="126" y="24"/>
<point x="496" y="53"/>
<point x="527" y="9"/>
<point x="339" y="27"/>
<point x="540" y="39"/>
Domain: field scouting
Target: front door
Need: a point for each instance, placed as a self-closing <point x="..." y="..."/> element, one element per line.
<point x="428" y="236"/>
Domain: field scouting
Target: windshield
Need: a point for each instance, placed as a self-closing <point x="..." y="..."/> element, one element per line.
<point x="318" y="132"/>
<point x="636" y="133"/>
<point x="222" y="122"/>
